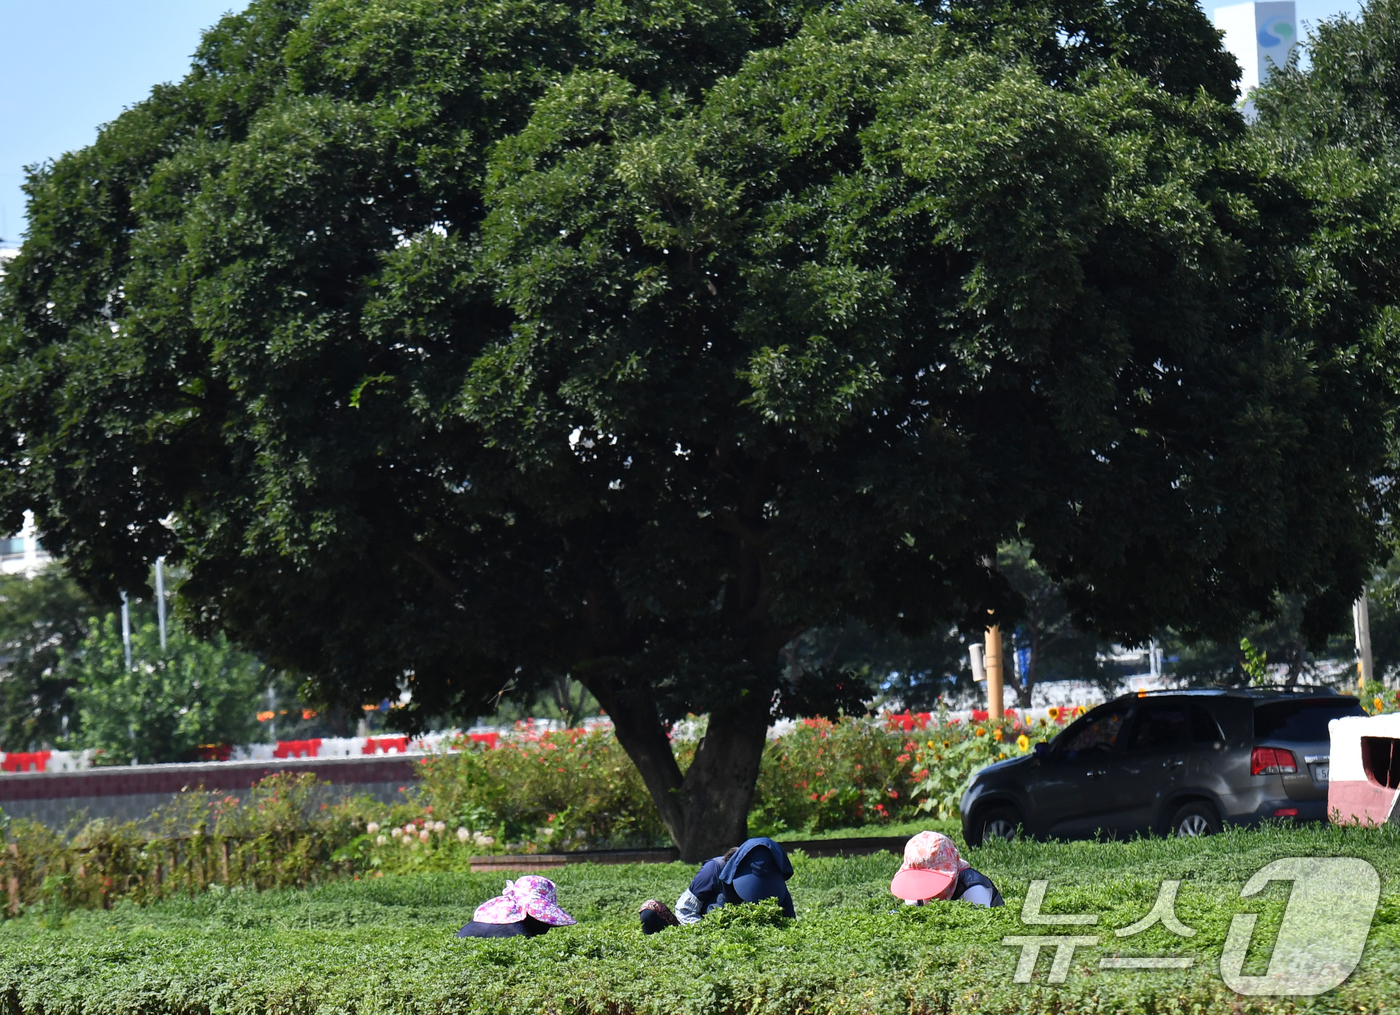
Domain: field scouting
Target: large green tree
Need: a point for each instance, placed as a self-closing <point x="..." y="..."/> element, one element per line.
<point x="481" y="344"/>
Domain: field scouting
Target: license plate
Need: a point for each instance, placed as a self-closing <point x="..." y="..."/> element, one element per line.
<point x="1321" y="773"/>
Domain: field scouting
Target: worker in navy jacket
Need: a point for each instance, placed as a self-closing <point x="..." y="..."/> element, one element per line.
<point x="758" y="869"/>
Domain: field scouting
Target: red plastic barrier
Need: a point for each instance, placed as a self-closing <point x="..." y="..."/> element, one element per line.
<point x="19" y="761"/>
<point x="213" y="752"/>
<point x="373" y="745"/>
<point x="982" y="715"/>
<point x="491" y="740"/>
<point x="297" y="748"/>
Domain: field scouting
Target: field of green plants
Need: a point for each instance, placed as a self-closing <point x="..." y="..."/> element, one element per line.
<point x="386" y="944"/>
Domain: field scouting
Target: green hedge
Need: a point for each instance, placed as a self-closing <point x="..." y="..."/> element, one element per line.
<point x="385" y="944"/>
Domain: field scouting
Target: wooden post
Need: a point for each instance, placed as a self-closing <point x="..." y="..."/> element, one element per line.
<point x="994" y="674"/>
<point x="223" y="849"/>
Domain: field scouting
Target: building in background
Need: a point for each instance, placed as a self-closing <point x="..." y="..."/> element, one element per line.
<point x="1261" y="36"/>
<point x="23" y="553"/>
<point x="20" y="553"/>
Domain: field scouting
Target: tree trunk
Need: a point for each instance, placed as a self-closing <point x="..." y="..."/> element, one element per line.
<point x="706" y="810"/>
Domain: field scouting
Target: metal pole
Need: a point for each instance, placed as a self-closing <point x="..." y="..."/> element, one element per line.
<point x="1361" y="616"/>
<point x="160" y="598"/>
<point x="126" y="628"/>
<point x="994" y="678"/>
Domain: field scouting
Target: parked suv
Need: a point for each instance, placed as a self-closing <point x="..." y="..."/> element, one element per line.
<point x="1166" y="762"/>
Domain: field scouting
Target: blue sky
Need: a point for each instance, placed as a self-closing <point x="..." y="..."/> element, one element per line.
<point x="68" y="66"/>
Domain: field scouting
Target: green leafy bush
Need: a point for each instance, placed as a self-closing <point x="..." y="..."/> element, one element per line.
<point x="567" y="790"/>
<point x="169" y="702"/>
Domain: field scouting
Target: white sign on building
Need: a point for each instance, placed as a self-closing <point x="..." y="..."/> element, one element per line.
<point x="1260" y="35"/>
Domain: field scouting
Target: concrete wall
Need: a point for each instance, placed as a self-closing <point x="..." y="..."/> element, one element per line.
<point x="131" y="792"/>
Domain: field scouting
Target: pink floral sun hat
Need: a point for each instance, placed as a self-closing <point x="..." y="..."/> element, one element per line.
<point x="931" y="867"/>
<point x="531" y="895"/>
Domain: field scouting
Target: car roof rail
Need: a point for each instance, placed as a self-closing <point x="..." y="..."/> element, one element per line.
<point x="1319" y="691"/>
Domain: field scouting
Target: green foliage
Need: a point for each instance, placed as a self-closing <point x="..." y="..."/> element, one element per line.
<point x="41" y="618"/>
<point x="948" y="754"/>
<point x="170" y="702"/>
<point x="568" y="790"/>
<point x="573" y="790"/>
<point x="388" y="941"/>
<point x="1255" y="662"/>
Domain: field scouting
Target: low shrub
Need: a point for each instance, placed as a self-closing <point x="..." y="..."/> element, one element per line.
<point x="573" y="789"/>
<point x="386" y="944"/>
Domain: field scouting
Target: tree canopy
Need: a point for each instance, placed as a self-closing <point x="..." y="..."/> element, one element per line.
<point x="477" y="345"/>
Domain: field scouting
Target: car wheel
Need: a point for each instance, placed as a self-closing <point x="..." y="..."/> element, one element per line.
<point x="1002" y="823"/>
<point x="1195" y="820"/>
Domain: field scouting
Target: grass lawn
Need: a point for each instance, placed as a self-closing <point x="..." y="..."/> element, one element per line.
<point x="386" y="944"/>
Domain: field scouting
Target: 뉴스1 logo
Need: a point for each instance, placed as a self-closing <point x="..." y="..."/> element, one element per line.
<point x="1319" y="943"/>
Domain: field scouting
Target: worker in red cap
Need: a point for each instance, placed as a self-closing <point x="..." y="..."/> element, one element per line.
<point x="933" y="869"/>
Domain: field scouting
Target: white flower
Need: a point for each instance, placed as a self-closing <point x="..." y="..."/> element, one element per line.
<point x="372" y="827"/>
<point x="382" y="840"/>
<point x="462" y="834"/>
<point x="408" y="840"/>
<point x="440" y="827"/>
<point x="424" y="835"/>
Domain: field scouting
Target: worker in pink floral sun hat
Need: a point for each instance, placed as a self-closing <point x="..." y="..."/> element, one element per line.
<point x="933" y="869"/>
<point x="528" y="906"/>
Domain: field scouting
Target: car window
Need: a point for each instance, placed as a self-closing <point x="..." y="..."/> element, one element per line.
<point x="1304" y="720"/>
<point x="1098" y="732"/>
<point x="1159" y="727"/>
<point x="1204" y="728"/>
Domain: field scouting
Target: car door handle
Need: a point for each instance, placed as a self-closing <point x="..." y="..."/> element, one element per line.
<point x="1095" y="773"/>
<point x="1173" y="763"/>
